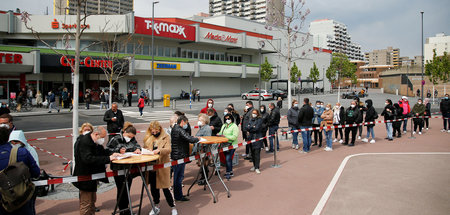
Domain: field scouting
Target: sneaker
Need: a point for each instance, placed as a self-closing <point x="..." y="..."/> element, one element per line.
<point x="328" y="149"/>
<point x="335" y="140"/>
<point x="296" y="147"/>
<point x="174" y="211"/>
<point x="155" y="210"/>
<point x="257" y="171"/>
<point x="244" y="155"/>
<point x="414" y="132"/>
<point x="303" y="152"/>
<point x="341" y="141"/>
<point x="448" y="131"/>
<point x="365" y="140"/>
<point x="427" y="129"/>
<point x="359" y="137"/>
<point x="372" y="141"/>
<point x="351" y="144"/>
<point x="267" y="149"/>
<point x="443" y="130"/>
<point x="390" y="139"/>
<point x="58" y="110"/>
<point x="420" y="132"/>
<point x="231" y="174"/>
<point x="293" y="146"/>
<point x="404" y="132"/>
<point x="227" y="176"/>
<point x="183" y="199"/>
<point x="49" y="112"/>
<point x="252" y="169"/>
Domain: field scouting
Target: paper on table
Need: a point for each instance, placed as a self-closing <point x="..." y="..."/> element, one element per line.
<point x="126" y="155"/>
<point x="147" y="152"/>
<point x="202" y="140"/>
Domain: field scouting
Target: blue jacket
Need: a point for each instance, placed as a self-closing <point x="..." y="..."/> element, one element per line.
<point x="23" y="155"/>
<point x="317" y="113"/>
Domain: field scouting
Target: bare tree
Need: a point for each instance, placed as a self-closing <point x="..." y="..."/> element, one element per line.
<point x="288" y="18"/>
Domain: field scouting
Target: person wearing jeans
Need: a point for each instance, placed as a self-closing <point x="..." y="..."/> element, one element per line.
<point x="178" y="176"/>
<point x="327" y="117"/>
<point x="305" y="116"/>
<point x="292" y="117"/>
<point x="231" y="132"/>
<point x="404" y="104"/>
<point x="388" y="114"/>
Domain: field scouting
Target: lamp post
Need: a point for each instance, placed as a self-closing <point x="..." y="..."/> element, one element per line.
<point x="421" y="44"/>
<point x="153" y="54"/>
<point x="261" y="45"/>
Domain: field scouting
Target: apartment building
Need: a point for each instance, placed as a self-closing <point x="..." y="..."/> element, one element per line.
<point x="388" y="56"/>
<point x="440" y="43"/>
<point x="68" y="7"/>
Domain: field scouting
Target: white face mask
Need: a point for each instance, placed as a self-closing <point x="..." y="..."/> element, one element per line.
<point x="225" y="113"/>
<point x="246" y="107"/>
<point x="419" y="103"/>
<point x="100" y="141"/>
<point x="386" y="103"/>
<point x="262" y="110"/>
<point x="86" y="132"/>
<point x="127" y="139"/>
<point x="254" y="115"/>
<point x="199" y="123"/>
<point x="228" y="121"/>
<point x="295" y="105"/>
<point x="4" y="126"/>
<point x="352" y="106"/>
<point x="210" y="105"/>
<point x="327" y="108"/>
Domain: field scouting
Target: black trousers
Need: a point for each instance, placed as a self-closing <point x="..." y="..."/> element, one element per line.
<point x="427" y="122"/>
<point x="418" y="123"/>
<point x="123" y="201"/>
<point x="256" y="156"/>
<point x="347" y="132"/>
<point x="317" y="135"/>
<point x="336" y="133"/>
<point x="360" y="130"/>
<point x="155" y="191"/>
<point x="264" y="133"/>
<point x="397" y="129"/>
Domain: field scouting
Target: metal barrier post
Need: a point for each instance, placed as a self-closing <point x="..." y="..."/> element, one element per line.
<point x="412" y="135"/>
<point x="275" y="165"/>
<point x="174" y="104"/>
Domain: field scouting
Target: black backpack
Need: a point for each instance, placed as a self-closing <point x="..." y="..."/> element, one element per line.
<point x="42" y="190"/>
<point x="16" y="187"/>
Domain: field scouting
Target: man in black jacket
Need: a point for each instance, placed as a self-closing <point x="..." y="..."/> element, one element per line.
<point x="274" y="122"/>
<point x="214" y="121"/>
<point x="90" y="159"/>
<point x="305" y="116"/>
<point x="114" y="119"/>
<point x="371" y="116"/>
<point x="180" y="149"/>
<point x="351" y="117"/>
<point x="245" y="119"/>
<point x="445" y="110"/>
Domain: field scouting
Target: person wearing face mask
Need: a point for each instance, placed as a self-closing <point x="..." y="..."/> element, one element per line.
<point x="406" y="110"/>
<point x="126" y="142"/>
<point x="158" y="141"/>
<point x="396" y="125"/>
<point x="114" y="120"/>
<point x="209" y="104"/>
<point x="351" y="117"/>
<point x="17" y="138"/>
<point x="214" y="121"/>
<point x="6" y="121"/>
<point x="361" y="108"/>
<point x="89" y="159"/>
<point x="371" y="116"/>
<point x="388" y="114"/>
<point x="418" y="111"/>
<point x="318" y="111"/>
<point x="188" y="128"/>
<point x="265" y="126"/>
<point x="4" y="109"/>
<point x="274" y="122"/>
<point x="86" y="128"/>
<point x="254" y="129"/>
<point x="245" y="119"/>
<point x="444" y="107"/>
<point x="204" y="130"/>
<point x="338" y="119"/>
<point x="180" y="141"/>
<point x="327" y="117"/>
<point x="305" y="116"/>
<point x="231" y="132"/>
<point x="427" y="112"/>
<point x="234" y="113"/>
<point x="292" y="117"/>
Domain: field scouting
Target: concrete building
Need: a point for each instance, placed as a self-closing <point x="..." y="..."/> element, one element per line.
<point x="257" y="10"/>
<point x="220" y="55"/>
<point x="68" y="7"/>
<point x="389" y="56"/>
<point x="440" y="43"/>
<point x="333" y="35"/>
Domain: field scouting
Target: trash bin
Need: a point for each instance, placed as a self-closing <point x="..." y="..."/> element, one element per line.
<point x="166" y="100"/>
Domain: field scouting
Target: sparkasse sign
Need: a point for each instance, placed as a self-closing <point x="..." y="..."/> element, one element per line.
<point x="223" y="38"/>
<point x="164" y="29"/>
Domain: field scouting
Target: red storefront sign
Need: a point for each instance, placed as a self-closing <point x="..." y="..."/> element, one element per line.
<point x="88" y="62"/>
<point x="223" y="38"/>
<point x="164" y="29"/>
<point x="10" y="58"/>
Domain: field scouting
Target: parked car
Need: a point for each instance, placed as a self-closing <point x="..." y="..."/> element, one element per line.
<point x="254" y="94"/>
<point x="352" y="95"/>
<point x="277" y="93"/>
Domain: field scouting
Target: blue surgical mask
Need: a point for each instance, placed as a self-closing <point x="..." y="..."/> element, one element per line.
<point x="185" y="126"/>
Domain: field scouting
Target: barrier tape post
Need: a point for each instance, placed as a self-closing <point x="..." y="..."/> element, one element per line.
<point x="412" y="135"/>
<point x="275" y="149"/>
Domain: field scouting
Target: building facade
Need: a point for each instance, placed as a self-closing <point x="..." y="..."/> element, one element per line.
<point x="68" y="7"/>
<point x="389" y="56"/>
<point x="218" y="55"/>
<point x="440" y="43"/>
<point x="333" y="35"/>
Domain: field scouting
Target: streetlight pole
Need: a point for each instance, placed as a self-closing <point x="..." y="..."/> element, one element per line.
<point x="153" y="53"/>
<point x="421" y="44"/>
<point x="261" y="45"/>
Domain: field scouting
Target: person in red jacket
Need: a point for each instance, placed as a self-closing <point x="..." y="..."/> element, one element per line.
<point x="406" y="109"/>
<point x="141" y="104"/>
<point x="209" y="104"/>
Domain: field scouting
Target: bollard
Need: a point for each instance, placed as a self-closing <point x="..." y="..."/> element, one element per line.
<point x="412" y="135"/>
<point x="174" y="104"/>
<point x="275" y="165"/>
<point x="396" y="92"/>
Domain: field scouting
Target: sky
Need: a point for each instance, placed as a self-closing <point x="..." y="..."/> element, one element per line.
<point x="375" y="24"/>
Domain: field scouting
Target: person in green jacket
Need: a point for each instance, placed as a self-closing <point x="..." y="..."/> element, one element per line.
<point x="418" y="111"/>
<point x="231" y="131"/>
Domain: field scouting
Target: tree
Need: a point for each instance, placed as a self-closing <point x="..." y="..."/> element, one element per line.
<point x="295" y="73"/>
<point x="438" y="69"/>
<point x="291" y="15"/>
<point x="331" y="76"/>
<point x="344" y="68"/>
<point x="266" y="71"/>
<point x="314" y="75"/>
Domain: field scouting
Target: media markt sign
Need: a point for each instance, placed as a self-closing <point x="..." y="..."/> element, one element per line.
<point x="223" y="38"/>
<point x="166" y="66"/>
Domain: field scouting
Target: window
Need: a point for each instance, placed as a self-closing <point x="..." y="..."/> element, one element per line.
<point x="202" y="55"/>
<point x="211" y="56"/>
<point x="195" y="54"/>
<point x="222" y="57"/>
<point x="130" y="48"/>
<point x="173" y="52"/>
<point x="166" y="52"/>
<point x="183" y="53"/>
<point x="206" y="56"/>
<point x="145" y="50"/>
<point x="217" y="57"/>
<point x="189" y="53"/>
<point x="160" y="51"/>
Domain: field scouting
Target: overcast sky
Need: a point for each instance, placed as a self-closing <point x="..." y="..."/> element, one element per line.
<point x="375" y="24"/>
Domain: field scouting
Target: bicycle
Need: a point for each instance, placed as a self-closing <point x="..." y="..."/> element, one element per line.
<point x="27" y="106"/>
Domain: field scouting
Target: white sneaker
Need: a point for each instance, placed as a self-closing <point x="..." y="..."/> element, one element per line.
<point x="257" y="171"/>
<point x="293" y="146"/>
<point x="328" y="149"/>
<point x="427" y="129"/>
<point x="365" y="140"/>
<point x="404" y="132"/>
<point x="335" y="140"/>
<point x="252" y="169"/>
<point x="448" y="131"/>
<point x="359" y="137"/>
<point x="420" y="132"/>
<point x="267" y="149"/>
<point x="244" y="155"/>
<point x="296" y="147"/>
<point x="414" y="132"/>
<point x="443" y="130"/>
<point x="372" y="141"/>
<point x="155" y="210"/>
<point x="341" y="141"/>
<point x="174" y="211"/>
